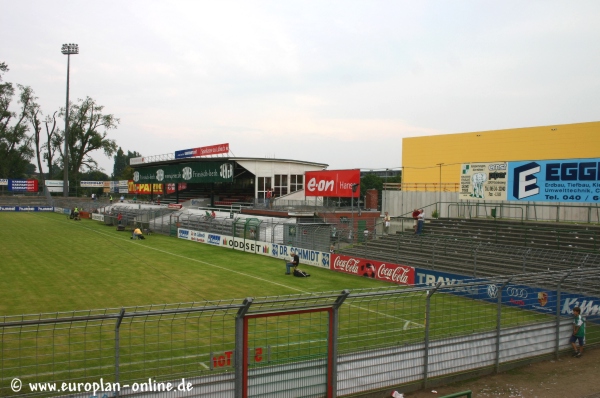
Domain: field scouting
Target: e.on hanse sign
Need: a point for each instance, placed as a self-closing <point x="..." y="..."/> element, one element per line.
<point x="337" y="183"/>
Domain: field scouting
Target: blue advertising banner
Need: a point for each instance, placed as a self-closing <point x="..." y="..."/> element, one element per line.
<point x="522" y="296"/>
<point x="26" y="208"/>
<point x="573" y="180"/>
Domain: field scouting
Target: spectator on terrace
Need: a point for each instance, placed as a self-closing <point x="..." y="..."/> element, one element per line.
<point x="420" y="221"/>
<point x="415" y="216"/>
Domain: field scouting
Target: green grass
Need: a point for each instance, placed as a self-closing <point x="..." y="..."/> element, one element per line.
<point x="52" y="264"/>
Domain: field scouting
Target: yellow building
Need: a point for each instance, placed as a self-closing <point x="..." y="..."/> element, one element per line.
<point x="421" y="156"/>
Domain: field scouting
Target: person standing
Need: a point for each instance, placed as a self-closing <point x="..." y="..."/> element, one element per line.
<point x="386" y="222"/>
<point x="415" y="216"/>
<point x="420" y="221"/>
<point x="268" y="196"/>
<point x="578" y="332"/>
<point x="110" y="199"/>
<point x="295" y="262"/>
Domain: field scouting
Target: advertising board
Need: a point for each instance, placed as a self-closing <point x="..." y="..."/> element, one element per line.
<point x="185" y="172"/>
<point x="23" y="185"/>
<point x="332" y="183"/>
<point x="572" y="180"/>
<point x="517" y="295"/>
<point x="54" y="185"/>
<point x="91" y="184"/>
<point x="3" y="181"/>
<point x="202" y="151"/>
<point x="26" y="208"/>
<point x="395" y="273"/>
<point x="483" y="181"/>
<point x="283" y="252"/>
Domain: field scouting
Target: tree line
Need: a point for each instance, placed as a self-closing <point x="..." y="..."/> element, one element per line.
<point x="31" y="140"/>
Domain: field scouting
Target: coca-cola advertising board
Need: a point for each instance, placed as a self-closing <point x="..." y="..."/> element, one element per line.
<point x="399" y="274"/>
<point x="336" y="183"/>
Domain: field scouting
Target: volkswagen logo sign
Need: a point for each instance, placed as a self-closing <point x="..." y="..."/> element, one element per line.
<point x="492" y="291"/>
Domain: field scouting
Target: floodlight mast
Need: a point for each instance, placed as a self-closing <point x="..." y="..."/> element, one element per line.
<point x="68" y="50"/>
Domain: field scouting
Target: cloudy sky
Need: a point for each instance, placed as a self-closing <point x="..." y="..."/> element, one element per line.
<point x="336" y="82"/>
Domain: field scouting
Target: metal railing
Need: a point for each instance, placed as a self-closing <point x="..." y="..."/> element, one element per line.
<point x="404" y="335"/>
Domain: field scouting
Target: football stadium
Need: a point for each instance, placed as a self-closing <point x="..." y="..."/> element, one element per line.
<point x="209" y="275"/>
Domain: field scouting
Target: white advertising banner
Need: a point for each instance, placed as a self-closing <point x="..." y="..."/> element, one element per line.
<point x="483" y="181"/>
<point x="54" y="185"/>
<point x="97" y="217"/>
<point x="3" y="181"/>
<point x="283" y="252"/>
<point x="91" y="184"/>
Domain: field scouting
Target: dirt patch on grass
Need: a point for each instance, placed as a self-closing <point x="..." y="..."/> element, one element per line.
<point x="567" y="377"/>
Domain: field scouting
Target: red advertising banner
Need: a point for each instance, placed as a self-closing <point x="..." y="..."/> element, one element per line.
<point x="212" y="150"/>
<point x="202" y="151"/>
<point x="399" y="274"/>
<point x="337" y="183"/>
<point x="156" y="189"/>
<point x="23" y="185"/>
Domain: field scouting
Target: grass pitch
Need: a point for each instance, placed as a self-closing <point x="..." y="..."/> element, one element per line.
<point x="50" y="264"/>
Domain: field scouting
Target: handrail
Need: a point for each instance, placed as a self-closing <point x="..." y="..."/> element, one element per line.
<point x="469" y="205"/>
<point x="467" y="394"/>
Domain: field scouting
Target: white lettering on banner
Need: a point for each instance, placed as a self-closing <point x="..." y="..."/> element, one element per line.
<point x="350" y="265"/>
<point x="587" y="307"/>
<point x="431" y="280"/>
<point x="396" y="274"/>
<point x="321" y="186"/>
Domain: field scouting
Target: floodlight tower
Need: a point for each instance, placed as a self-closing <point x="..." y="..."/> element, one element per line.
<point x="67" y="49"/>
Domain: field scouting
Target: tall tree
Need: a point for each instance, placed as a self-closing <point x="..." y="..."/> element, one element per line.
<point x="52" y="143"/>
<point x="33" y="114"/>
<point x="88" y="131"/>
<point x="121" y="169"/>
<point x="15" y="144"/>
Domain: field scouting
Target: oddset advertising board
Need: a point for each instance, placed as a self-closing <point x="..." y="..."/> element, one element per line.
<point x="283" y="252"/>
<point x="332" y="183"/>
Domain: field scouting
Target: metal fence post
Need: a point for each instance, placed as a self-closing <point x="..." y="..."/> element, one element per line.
<point x="498" y="323"/>
<point x="334" y="338"/>
<point x="239" y="346"/>
<point x="558" y="292"/>
<point x="427" y="316"/>
<point x="117" y="326"/>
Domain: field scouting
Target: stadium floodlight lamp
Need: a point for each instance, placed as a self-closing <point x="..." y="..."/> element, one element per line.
<point x="68" y="50"/>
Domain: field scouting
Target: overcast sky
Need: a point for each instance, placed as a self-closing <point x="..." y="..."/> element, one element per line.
<point x="336" y="82"/>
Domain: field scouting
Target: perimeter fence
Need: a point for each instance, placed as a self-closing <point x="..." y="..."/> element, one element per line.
<point x="311" y="345"/>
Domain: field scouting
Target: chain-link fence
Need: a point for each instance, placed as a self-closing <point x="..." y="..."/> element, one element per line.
<point x="322" y="344"/>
